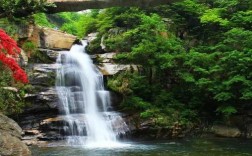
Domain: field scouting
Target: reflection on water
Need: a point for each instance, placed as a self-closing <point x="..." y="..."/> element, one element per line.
<point x="190" y="147"/>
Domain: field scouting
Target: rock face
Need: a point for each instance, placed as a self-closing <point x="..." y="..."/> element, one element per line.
<point x="10" y="135"/>
<point x="48" y="38"/>
<point x="226" y="131"/>
<point x="54" y="39"/>
<point x="44" y="101"/>
<point x="108" y="67"/>
<point x="105" y="61"/>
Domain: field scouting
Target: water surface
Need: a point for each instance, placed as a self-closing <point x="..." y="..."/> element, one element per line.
<point x="185" y="147"/>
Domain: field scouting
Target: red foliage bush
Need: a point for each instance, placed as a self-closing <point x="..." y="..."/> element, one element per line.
<point x="8" y="52"/>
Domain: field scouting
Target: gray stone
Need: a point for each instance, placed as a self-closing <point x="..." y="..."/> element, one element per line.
<point x="92" y="36"/>
<point x="11" y="89"/>
<point x="9" y="125"/>
<point x="52" y="54"/>
<point x="10" y="134"/>
<point x="42" y="74"/>
<point x="108" y="67"/>
<point x="45" y="67"/>
<point x="112" y="69"/>
<point x="226" y="131"/>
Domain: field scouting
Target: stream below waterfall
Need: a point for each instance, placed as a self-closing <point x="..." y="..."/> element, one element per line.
<point x="183" y="147"/>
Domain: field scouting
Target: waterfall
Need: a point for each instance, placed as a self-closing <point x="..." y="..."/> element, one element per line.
<point x="85" y="102"/>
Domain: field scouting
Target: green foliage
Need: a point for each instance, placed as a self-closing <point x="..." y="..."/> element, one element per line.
<point x="86" y="24"/>
<point x="79" y="24"/>
<point x="30" y="48"/>
<point x="126" y="83"/>
<point x="9" y="26"/>
<point x="195" y="59"/>
<point x="20" y="8"/>
<point x="214" y="16"/>
<point x="11" y="98"/>
<point x="41" y="20"/>
<point x="226" y="110"/>
<point x="194" y="56"/>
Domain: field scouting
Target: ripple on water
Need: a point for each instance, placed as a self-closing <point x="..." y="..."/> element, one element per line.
<point x="193" y="147"/>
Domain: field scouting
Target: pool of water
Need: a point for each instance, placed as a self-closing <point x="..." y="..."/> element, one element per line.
<point x="184" y="147"/>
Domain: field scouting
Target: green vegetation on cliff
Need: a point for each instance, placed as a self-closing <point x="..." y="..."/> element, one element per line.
<point x="194" y="56"/>
<point x="195" y="59"/>
<point x="70" y="22"/>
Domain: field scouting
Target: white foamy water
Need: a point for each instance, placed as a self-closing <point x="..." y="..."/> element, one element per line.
<point x="85" y="102"/>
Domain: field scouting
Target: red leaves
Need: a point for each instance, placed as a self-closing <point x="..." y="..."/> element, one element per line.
<point x="8" y="51"/>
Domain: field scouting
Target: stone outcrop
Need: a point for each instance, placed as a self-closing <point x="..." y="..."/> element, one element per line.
<point x="10" y="135"/>
<point x="226" y="131"/>
<point x="105" y="61"/>
<point x="51" y="39"/>
<point x="108" y="67"/>
<point x="43" y="100"/>
<point x="55" y="39"/>
<point x="79" y="5"/>
<point x="46" y="38"/>
<point x="42" y="74"/>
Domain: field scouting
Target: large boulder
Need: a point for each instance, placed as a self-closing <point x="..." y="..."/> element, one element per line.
<point x="108" y="67"/>
<point x="10" y="135"/>
<point x="51" y="38"/>
<point x="55" y="39"/>
<point x="226" y="131"/>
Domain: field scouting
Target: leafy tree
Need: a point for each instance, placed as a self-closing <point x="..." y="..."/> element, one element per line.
<point x="41" y="20"/>
<point x="21" y="8"/>
<point x="8" y="51"/>
<point x="194" y="58"/>
<point x="11" y="99"/>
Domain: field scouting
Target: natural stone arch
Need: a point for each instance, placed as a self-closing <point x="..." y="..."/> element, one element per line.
<point x="78" y="5"/>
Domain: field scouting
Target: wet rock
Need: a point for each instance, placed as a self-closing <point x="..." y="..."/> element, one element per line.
<point x="107" y="66"/>
<point x="112" y="69"/>
<point x="44" y="67"/>
<point x="10" y="134"/>
<point x="53" y="54"/>
<point x="43" y="105"/>
<point x="45" y="100"/>
<point x="106" y="57"/>
<point x="92" y="36"/>
<point x="32" y="132"/>
<point x="11" y="89"/>
<point x="42" y="74"/>
<point x="226" y="131"/>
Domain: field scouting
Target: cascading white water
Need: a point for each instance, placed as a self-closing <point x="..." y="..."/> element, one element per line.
<point x="85" y="101"/>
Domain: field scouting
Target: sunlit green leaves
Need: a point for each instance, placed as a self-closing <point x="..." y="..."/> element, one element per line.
<point x="200" y="66"/>
<point x="226" y="110"/>
<point x="41" y="20"/>
<point x="19" y="8"/>
<point x="214" y="16"/>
